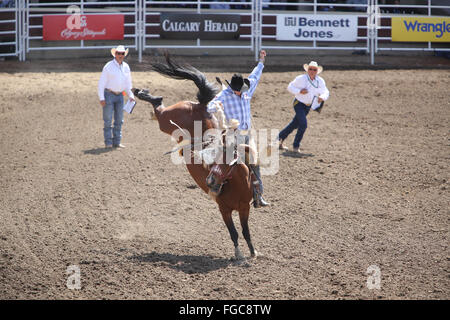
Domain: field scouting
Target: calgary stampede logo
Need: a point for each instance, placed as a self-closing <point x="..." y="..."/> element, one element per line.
<point x="77" y="25"/>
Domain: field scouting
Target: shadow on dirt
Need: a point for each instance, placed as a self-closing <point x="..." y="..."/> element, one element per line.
<point x="293" y="154"/>
<point x="185" y="263"/>
<point x="98" y="151"/>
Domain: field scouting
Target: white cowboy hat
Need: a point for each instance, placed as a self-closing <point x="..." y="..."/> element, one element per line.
<point x="313" y="64"/>
<point x="119" y="49"/>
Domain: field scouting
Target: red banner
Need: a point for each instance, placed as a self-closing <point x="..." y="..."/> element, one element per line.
<point x="83" y="27"/>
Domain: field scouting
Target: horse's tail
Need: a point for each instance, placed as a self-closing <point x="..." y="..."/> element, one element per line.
<point x="206" y="92"/>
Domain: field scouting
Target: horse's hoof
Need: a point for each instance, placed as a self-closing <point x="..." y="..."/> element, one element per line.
<point x="144" y="94"/>
<point x="257" y="255"/>
<point x="238" y="255"/>
<point x="156" y="101"/>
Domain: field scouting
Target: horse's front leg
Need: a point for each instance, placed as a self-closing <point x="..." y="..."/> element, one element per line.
<point x="244" y="213"/>
<point x="226" y="215"/>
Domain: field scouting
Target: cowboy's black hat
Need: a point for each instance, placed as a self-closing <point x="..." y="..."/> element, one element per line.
<point x="239" y="83"/>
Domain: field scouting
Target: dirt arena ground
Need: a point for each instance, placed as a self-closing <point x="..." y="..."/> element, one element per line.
<point x="370" y="188"/>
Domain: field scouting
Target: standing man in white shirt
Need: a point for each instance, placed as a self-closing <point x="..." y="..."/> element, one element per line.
<point x="305" y="88"/>
<point x="115" y="79"/>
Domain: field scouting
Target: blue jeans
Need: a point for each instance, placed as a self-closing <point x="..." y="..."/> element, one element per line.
<point x="113" y="107"/>
<point x="299" y="122"/>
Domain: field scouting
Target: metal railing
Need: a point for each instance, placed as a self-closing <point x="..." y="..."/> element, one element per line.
<point x="142" y="25"/>
<point x="11" y="31"/>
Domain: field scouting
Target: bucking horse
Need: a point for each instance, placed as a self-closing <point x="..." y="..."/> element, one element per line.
<point x="229" y="183"/>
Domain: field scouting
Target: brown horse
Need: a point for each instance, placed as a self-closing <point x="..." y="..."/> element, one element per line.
<point x="229" y="184"/>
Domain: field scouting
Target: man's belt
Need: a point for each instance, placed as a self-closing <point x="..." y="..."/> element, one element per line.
<point x="297" y="102"/>
<point x="113" y="92"/>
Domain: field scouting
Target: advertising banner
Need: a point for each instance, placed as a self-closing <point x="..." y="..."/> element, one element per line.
<point x="199" y="26"/>
<point x="421" y="29"/>
<point x="320" y="27"/>
<point x="83" y="27"/>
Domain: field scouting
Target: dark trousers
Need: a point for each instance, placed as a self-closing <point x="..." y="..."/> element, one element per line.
<point x="299" y="122"/>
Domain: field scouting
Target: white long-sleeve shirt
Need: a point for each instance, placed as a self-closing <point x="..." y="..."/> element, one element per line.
<point x="316" y="87"/>
<point x="115" y="77"/>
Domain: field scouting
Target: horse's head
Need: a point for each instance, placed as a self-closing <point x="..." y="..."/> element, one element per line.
<point x="215" y="180"/>
<point x="218" y="176"/>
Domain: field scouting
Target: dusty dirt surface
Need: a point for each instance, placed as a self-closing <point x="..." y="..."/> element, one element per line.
<point x="371" y="187"/>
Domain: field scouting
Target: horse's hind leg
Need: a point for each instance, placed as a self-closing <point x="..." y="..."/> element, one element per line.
<point x="145" y="95"/>
<point x="243" y="216"/>
<point x="226" y="215"/>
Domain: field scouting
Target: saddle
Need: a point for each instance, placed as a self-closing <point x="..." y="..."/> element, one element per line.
<point x="213" y="151"/>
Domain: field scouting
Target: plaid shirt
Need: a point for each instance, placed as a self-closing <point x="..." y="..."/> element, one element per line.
<point x="236" y="107"/>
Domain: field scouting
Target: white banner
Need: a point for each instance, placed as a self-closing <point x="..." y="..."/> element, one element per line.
<point x="320" y="27"/>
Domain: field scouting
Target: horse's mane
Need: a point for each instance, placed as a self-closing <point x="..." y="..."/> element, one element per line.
<point x="206" y="91"/>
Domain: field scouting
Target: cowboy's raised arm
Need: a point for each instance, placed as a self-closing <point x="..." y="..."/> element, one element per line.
<point x="254" y="77"/>
<point x="256" y="73"/>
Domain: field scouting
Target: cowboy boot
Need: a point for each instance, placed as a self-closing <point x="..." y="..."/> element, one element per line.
<point x="258" y="200"/>
<point x="145" y="95"/>
<point x="256" y="195"/>
<point x="261" y="202"/>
